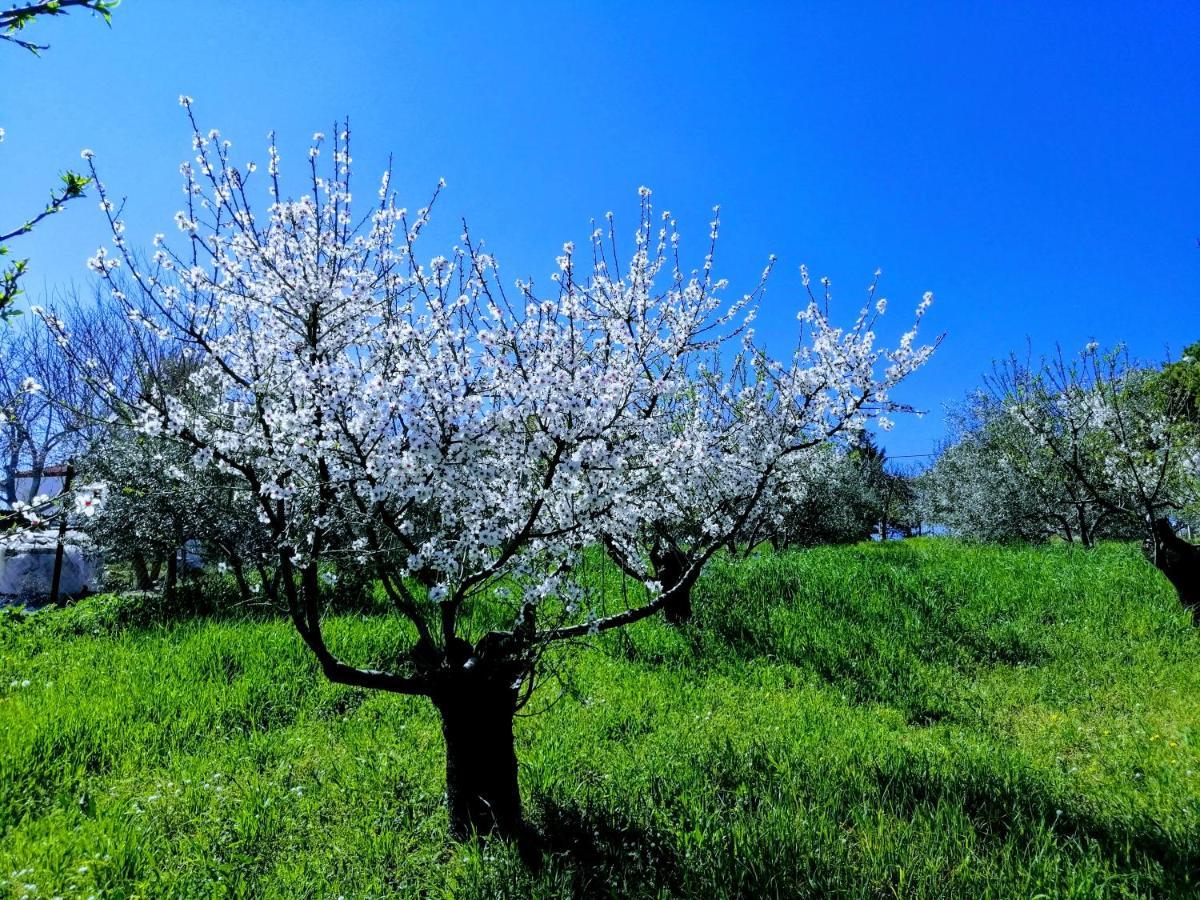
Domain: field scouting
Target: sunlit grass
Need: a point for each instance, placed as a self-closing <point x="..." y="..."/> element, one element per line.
<point x="917" y="719"/>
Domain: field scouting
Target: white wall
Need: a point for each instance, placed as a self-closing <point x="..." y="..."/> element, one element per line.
<point x="51" y="486"/>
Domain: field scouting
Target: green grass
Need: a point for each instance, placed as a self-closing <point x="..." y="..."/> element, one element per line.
<point x="921" y="719"/>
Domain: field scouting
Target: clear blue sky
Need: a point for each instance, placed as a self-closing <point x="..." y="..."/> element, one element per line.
<point x="1034" y="164"/>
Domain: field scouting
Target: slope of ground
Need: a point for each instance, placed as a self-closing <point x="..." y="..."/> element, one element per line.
<point x="918" y="719"/>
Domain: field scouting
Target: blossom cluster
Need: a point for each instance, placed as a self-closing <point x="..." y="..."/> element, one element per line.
<point x="456" y="430"/>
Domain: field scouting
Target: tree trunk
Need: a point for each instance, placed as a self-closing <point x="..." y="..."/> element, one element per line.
<point x="1085" y="533"/>
<point x="238" y="568"/>
<point x="478" y="708"/>
<point x="269" y="582"/>
<point x="10" y="475"/>
<point x="60" y="545"/>
<point x="239" y="575"/>
<point x="671" y="568"/>
<point x="141" y="572"/>
<point x="37" y="472"/>
<point x="1180" y="562"/>
<point x="172" y="577"/>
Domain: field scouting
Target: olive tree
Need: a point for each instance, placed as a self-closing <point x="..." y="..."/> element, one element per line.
<point x="158" y="505"/>
<point x="834" y="501"/>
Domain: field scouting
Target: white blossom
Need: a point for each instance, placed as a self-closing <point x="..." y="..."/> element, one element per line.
<point x="465" y="434"/>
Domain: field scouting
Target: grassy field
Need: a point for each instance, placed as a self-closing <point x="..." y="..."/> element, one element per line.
<point x="920" y="719"/>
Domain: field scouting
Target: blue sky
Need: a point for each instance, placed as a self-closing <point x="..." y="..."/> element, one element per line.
<point x="1033" y="164"/>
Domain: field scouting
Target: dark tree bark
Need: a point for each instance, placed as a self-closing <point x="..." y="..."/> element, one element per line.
<point x="672" y="567"/>
<point x="172" y="576"/>
<point x="239" y="575"/>
<point x="1180" y="562"/>
<point x="478" y="708"/>
<point x="36" y="474"/>
<point x="1065" y="524"/>
<point x="1085" y="535"/>
<point x="238" y="568"/>
<point x="10" y="473"/>
<point x="141" y="572"/>
<point x="60" y="545"/>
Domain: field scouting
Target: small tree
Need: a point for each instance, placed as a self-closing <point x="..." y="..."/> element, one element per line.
<point x="468" y="443"/>
<point x="847" y="495"/>
<point x="1178" y="385"/>
<point x="905" y="512"/>
<point x="889" y="493"/>
<point x="41" y="395"/>
<point x="833" y="502"/>
<point x="54" y="404"/>
<point x="996" y="481"/>
<point x="1105" y="421"/>
<point x="760" y="428"/>
<point x="159" y="505"/>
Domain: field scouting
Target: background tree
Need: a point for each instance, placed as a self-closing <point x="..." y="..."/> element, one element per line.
<point x="55" y="405"/>
<point x="847" y="495"/>
<point x="40" y="393"/>
<point x="904" y="511"/>
<point x="759" y="436"/>
<point x="86" y="385"/>
<point x="1178" y="388"/>
<point x="834" y="504"/>
<point x="158" y="506"/>
<point x="1179" y="384"/>
<point x="1104" y="420"/>
<point x="889" y="492"/>
<point x="995" y="481"/>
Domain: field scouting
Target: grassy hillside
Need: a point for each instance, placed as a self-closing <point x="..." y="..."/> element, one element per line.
<point x="921" y="719"/>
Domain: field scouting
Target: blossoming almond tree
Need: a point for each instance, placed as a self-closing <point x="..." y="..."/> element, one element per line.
<point x="467" y="439"/>
<point x="999" y="482"/>
<point x="1120" y="439"/>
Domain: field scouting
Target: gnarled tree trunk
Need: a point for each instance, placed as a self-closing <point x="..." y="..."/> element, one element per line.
<point x="141" y="572"/>
<point x="478" y="707"/>
<point x="1180" y="562"/>
<point x="671" y="568"/>
<point x="172" y="577"/>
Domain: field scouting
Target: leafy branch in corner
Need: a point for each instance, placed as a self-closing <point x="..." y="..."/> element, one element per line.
<point x="18" y="18"/>
<point x="12" y="22"/>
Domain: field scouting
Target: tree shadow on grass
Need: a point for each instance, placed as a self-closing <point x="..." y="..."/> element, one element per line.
<point x="1014" y="806"/>
<point x="603" y="856"/>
